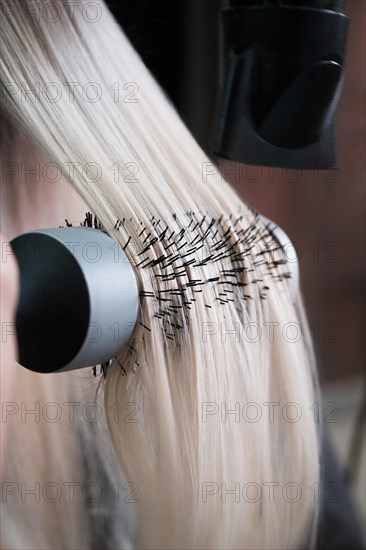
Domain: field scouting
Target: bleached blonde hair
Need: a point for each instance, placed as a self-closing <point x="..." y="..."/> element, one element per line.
<point x="183" y="370"/>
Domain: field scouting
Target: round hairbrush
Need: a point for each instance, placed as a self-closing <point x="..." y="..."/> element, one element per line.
<point x="78" y="299"/>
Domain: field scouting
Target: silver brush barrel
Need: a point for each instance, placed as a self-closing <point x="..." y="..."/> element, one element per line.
<point x="78" y="299"/>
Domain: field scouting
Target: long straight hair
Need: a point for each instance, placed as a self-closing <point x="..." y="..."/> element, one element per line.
<point x="217" y="445"/>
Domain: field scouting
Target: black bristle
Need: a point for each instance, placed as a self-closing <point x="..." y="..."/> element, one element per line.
<point x="147" y="328"/>
<point x="127" y="243"/>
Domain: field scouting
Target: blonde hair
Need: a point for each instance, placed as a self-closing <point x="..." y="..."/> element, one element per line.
<point x="183" y="370"/>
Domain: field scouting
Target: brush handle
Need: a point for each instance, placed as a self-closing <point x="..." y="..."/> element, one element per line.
<point x="78" y="298"/>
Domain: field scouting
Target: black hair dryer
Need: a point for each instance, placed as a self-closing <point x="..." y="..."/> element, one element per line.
<point x="281" y="74"/>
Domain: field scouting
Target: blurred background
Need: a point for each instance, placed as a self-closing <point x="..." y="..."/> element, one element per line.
<point x="322" y="211"/>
